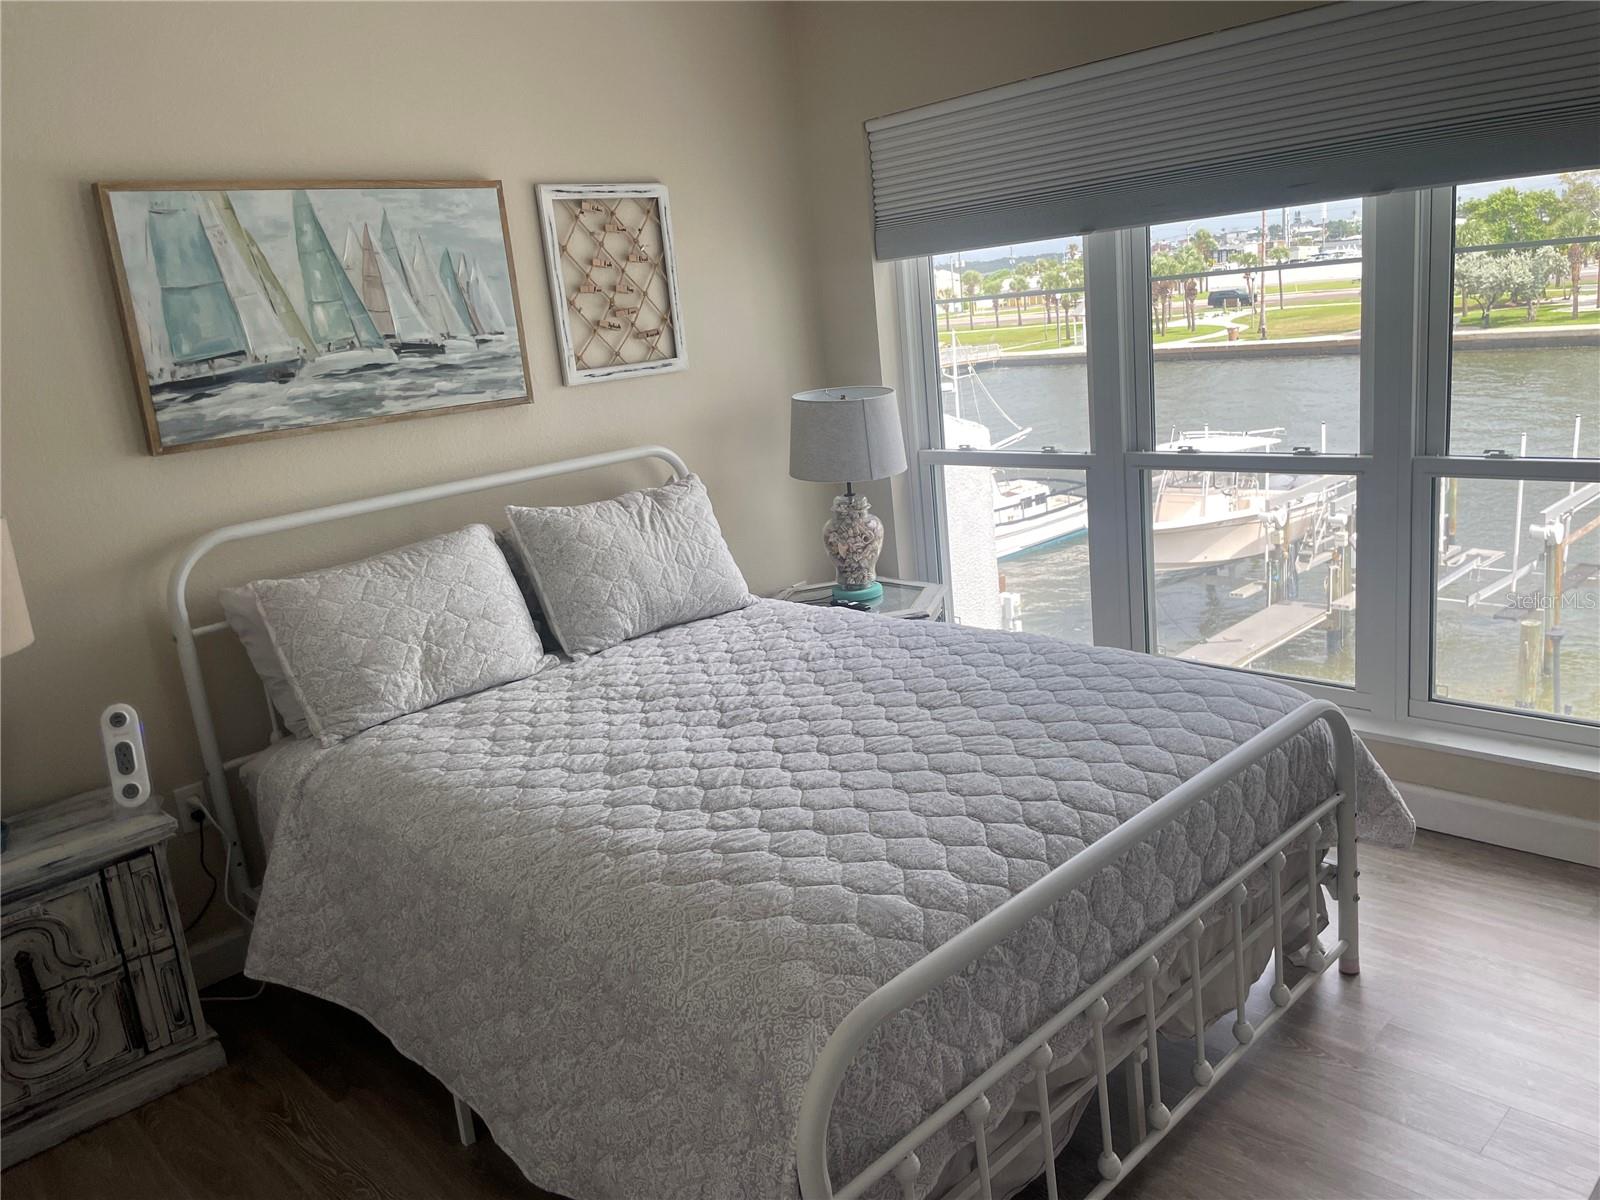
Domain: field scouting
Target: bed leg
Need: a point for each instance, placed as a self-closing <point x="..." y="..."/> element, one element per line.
<point x="1345" y="819"/>
<point x="466" y="1129"/>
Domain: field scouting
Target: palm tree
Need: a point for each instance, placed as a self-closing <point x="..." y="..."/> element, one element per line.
<point x="970" y="282"/>
<point x="1279" y="255"/>
<point x="1580" y="215"/>
<point x="1162" y="284"/>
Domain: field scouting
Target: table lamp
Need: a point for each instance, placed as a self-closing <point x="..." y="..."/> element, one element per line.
<point x="847" y="435"/>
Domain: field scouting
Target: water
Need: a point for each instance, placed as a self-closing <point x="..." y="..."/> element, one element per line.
<point x="1497" y="395"/>
<point x="415" y="383"/>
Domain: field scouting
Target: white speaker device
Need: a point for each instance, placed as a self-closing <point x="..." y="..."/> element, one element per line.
<point x="123" y="738"/>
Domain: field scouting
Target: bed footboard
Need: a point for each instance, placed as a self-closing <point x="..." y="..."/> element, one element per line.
<point x="971" y="1103"/>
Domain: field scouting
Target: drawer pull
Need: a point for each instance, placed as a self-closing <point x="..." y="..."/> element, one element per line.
<point x="33" y="1001"/>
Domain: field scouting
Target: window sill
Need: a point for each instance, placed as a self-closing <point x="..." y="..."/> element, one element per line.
<point x="1562" y="758"/>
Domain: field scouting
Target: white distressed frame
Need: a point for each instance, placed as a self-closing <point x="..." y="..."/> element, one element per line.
<point x="571" y="373"/>
<point x="1404" y="405"/>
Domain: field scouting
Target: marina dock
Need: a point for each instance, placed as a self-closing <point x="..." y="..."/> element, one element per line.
<point x="1241" y="643"/>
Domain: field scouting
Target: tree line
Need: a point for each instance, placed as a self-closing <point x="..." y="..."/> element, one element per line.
<point x="1519" y="275"/>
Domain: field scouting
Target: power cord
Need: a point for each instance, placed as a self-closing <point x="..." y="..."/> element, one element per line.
<point x="212" y="894"/>
<point x="232" y="848"/>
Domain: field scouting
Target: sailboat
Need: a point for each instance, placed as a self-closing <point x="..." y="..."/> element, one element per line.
<point x="433" y="302"/>
<point x="219" y="327"/>
<point x="456" y="293"/>
<point x="482" y="301"/>
<point x="387" y="300"/>
<point x="266" y="277"/>
<point x="390" y="245"/>
<point x="342" y="330"/>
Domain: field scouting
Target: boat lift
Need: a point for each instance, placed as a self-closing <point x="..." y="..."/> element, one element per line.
<point x="1537" y="611"/>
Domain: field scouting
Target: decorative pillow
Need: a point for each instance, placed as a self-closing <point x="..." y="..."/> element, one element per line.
<point x="350" y="647"/>
<point x="614" y="570"/>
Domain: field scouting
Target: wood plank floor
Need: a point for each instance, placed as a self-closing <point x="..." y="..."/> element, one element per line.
<point x="1463" y="1062"/>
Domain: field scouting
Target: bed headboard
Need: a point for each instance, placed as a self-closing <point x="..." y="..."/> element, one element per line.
<point x="185" y="633"/>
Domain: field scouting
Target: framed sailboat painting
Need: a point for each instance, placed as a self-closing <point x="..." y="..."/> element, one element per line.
<point x="256" y="310"/>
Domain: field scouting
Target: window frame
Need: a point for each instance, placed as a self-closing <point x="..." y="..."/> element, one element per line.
<point x="1406" y="297"/>
<point x="1432" y="461"/>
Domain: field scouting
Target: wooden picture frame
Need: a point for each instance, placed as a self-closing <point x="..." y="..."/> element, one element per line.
<point x="244" y="322"/>
<point x="613" y="280"/>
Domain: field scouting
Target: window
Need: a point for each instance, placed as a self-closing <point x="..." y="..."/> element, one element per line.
<point x="1228" y="395"/>
<point x="1009" y="352"/>
<point x="1018" y="554"/>
<point x="1013" y="365"/>
<point x="1256" y="329"/>
<point x="1516" y="548"/>
<point x="1255" y="569"/>
<point x="1525" y="327"/>
<point x="1516" y="623"/>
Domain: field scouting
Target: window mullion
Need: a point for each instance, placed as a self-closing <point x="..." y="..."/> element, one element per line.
<point x="919" y="379"/>
<point x="1116" y="578"/>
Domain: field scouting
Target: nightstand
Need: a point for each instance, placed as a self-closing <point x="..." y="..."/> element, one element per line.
<point x="908" y="599"/>
<point x="98" y="1008"/>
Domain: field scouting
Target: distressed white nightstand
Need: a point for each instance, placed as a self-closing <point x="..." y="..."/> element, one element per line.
<point x="98" y="1009"/>
<point x="908" y="599"/>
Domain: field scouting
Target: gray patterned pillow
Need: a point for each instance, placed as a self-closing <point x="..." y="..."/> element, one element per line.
<point x="354" y="646"/>
<point x="620" y="568"/>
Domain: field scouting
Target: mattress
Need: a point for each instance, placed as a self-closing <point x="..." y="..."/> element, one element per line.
<point x="619" y="907"/>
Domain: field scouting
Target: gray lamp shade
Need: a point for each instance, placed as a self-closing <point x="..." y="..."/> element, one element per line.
<point x="845" y="434"/>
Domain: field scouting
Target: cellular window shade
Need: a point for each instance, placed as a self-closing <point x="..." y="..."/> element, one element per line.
<point x="1344" y="100"/>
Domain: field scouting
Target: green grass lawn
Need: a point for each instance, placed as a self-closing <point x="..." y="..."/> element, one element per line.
<point x="1178" y="331"/>
<point x="1009" y="338"/>
<point x="1290" y="286"/>
<point x="1312" y="320"/>
<point x="1516" y="317"/>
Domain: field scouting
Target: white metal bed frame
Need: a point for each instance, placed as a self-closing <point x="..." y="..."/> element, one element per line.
<point x="185" y="633"/>
<point x="1151" y="1121"/>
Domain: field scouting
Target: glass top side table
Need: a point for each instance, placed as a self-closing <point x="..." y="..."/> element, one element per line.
<point x="908" y="599"/>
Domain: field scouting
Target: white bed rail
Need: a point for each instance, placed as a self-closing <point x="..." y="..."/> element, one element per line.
<point x="185" y="633"/>
<point x="1153" y="1122"/>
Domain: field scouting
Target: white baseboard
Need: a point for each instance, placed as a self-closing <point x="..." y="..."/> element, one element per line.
<point x="1553" y="835"/>
<point x="218" y="957"/>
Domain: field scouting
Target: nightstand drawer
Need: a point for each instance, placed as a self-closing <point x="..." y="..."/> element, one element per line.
<point x="138" y="906"/>
<point x="161" y="999"/>
<point x="58" y="1040"/>
<point x="60" y="935"/>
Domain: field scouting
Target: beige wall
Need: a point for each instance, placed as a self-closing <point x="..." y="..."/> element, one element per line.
<point x="698" y="97"/>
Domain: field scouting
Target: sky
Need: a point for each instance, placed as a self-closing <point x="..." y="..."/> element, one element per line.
<point x="464" y="220"/>
<point x="1173" y="230"/>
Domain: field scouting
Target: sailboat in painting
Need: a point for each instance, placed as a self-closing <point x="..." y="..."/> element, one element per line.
<point x="386" y="297"/>
<point x="435" y="303"/>
<point x="345" y="336"/>
<point x="218" y="327"/>
<point x="481" y="301"/>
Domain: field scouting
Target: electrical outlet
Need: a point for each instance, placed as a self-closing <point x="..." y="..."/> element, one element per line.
<point x="187" y="803"/>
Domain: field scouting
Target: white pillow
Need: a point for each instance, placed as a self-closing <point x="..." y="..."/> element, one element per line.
<point x="620" y="568"/>
<point x="349" y="647"/>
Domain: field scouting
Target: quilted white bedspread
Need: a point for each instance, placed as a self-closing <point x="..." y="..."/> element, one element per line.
<point x="619" y="906"/>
